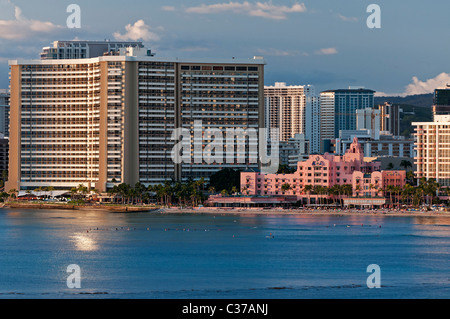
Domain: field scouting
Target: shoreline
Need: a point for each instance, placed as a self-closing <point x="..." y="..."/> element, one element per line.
<point x="117" y="209"/>
<point x="229" y="211"/>
<point x="311" y="212"/>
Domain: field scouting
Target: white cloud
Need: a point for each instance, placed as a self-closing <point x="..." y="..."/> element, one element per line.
<point x="327" y="51"/>
<point x="422" y="87"/>
<point x="428" y="86"/>
<point x="168" y="8"/>
<point x="138" y="31"/>
<point x="278" y="52"/>
<point x="21" y="28"/>
<point x="347" y="19"/>
<point x="258" y="9"/>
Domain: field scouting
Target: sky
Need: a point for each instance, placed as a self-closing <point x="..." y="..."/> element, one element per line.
<point x="326" y="43"/>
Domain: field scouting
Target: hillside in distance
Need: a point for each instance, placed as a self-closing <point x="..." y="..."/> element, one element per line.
<point x="420" y="100"/>
<point x="410" y="114"/>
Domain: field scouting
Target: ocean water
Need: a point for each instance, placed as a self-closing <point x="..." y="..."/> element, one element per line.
<point x="181" y="256"/>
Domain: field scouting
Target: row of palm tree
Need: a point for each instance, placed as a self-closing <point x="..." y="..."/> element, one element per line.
<point x="427" y="191"/>
<point x="189" y="193"/>
<point x="335" y="193"/>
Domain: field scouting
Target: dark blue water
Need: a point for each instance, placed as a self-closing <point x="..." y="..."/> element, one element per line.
<point x="215" y="256"/>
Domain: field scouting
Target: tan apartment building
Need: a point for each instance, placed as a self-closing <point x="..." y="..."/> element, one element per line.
<point x="110" y="119"/>
<point x="293" y="109"/>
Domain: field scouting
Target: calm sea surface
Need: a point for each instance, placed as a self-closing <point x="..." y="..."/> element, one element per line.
<point x="150" y="255"/>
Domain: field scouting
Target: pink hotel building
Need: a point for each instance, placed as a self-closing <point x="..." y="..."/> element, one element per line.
<point x="326" y="170"/>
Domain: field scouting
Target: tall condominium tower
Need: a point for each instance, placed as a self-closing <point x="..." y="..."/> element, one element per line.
<point x="346" y="102"/>
<point x="327" y="104"/>
<point x="77" y="49"/>
<point x="441" y="103"/>
<point x="293" y="110"/>
<point x="390" y="118"/>
<point x="433" y="149"/>
<point x="110" y="119"/>
<point x="369" y="119"/>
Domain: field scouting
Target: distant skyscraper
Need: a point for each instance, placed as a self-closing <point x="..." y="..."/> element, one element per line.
<point x="390" y="118"/>
<point x="441" y="103"/>
<point x="78" y="49"/>
<point x="368" y="119"/>
<point x="312" y="122"/>
<point x="327" y="104"/>
<point x="294" y="109"/>
<point x="346" y="102"/>
<point x="4" y="112"/>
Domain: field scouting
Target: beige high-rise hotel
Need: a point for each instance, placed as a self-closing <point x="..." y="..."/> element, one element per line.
<point x="433" y="149"/>
<point x="110" y="119"/>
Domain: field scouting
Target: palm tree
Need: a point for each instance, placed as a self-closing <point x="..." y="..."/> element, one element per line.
<point x="357" y="189"/>
<point x="410" y="178"/>
<point x="38" y="190"/>
<point x="326" y="191"/>
<point x="390" y="190"/>
<point x="285" y="187"/>
<point x="83" y="190"/>
<point x="12" y="193"/>
<point x="405" y="164"/>
<point x="308" y="189"/>
<point x="74" y="192"/>
<point x="407" y="193"/>
<point x="140" y="190"/>
<point x="113" y="193"/>
<point x="50" y="189"/>
<point x="371" y="186"/>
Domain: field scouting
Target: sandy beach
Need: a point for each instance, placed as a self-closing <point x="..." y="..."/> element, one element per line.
<point x="279" y="211"/>
<point x="232" y="211"/>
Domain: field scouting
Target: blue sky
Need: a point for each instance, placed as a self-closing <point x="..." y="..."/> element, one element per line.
<point x="323" y="42"/>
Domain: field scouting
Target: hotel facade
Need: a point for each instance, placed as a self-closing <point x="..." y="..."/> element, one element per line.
<point x="110" y="119"/>
<point x="365" y="178"/>
<point x="433" y="149"/>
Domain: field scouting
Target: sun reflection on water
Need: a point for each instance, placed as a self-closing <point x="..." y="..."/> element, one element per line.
<point x="84" y="242"/>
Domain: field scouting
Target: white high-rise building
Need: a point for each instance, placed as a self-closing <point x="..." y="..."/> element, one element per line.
<point x="327" y="102"/>
<point x="433" y="149"/>
<point x="369" y="119"/>
<point x="78" y="49"/>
